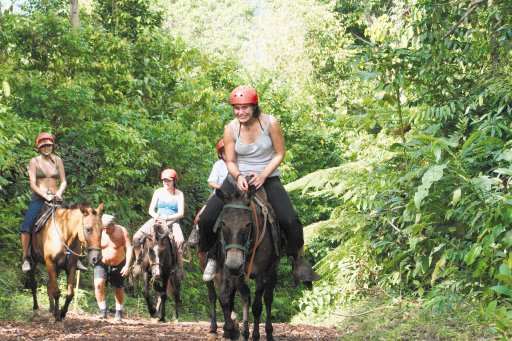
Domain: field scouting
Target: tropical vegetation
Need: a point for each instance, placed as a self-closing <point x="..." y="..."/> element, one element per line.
<point x="396" y="114"/>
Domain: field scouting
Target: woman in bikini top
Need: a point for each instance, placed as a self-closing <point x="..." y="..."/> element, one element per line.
<point x="47" y="182"/>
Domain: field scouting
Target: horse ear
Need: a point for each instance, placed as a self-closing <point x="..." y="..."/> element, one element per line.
<point x="223" y="196"/>
<point x="100" y="208"/>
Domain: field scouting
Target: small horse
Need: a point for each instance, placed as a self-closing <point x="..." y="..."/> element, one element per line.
<point x="160" y="263"/>
<point x="58" y="245"/>
<point x="250" y="249"/>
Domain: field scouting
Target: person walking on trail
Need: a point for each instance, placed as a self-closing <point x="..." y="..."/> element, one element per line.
<point x="167" y="204"/>
<point x="47" y="181"/>
<point x="254" y="146"/>
<point x="116" y="252"/>
<point x="217" y="176"/>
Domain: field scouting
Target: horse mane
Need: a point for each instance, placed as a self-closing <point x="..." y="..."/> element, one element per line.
<point x="78" y="206"/>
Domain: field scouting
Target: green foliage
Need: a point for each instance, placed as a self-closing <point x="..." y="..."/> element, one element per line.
<point x="128" y="18"/>
<point x="397" y="120"/>
<point x="427" y="198"/>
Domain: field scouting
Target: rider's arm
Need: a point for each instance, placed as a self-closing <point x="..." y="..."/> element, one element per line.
<point x="152" y="206"/>
<point x="62" y="174"/>
<point x="229" y="151"/>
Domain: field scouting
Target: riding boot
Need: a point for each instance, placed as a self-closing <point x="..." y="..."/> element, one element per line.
<point x="193" y="238"/>
<point x="302" y="271"/>
<point x="80" y="266"/>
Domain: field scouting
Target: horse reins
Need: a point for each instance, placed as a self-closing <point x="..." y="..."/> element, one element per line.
<point x="257" y="240"/>
<point x="60" y="237"/>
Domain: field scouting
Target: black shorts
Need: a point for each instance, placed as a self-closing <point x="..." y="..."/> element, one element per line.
<point x="111" y="273"/>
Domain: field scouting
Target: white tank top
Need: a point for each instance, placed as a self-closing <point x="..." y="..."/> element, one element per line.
<point x="256" y="156"/>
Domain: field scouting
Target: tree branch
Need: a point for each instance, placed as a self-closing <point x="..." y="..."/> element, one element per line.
<point x="468" y="12"/>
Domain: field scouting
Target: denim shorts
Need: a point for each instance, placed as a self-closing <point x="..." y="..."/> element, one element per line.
<point x="34" y="208"/>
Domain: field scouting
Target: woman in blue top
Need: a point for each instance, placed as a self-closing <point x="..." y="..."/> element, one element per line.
<point x="254" y="146"/>
<point x="167" y="204"/>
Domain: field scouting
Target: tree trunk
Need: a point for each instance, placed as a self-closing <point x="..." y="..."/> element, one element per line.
<point x="74" y="18"/>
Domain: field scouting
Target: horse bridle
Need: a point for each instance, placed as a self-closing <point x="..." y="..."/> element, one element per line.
<point x="82" y="242"/>
<point x="243" y="248"/>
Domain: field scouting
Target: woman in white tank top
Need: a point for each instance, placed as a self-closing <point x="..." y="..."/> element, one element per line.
<point x="254" y="146"/>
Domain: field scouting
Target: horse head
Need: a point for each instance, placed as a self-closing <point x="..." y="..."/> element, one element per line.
<point x="236" y="225"/>
<point x="156" y="246"/>
<point x="91" y="230"/>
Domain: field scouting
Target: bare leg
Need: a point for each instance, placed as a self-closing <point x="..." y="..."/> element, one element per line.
<point x="25" y="241"/>
<point x="119" y="292"/>
<point x="99" y="286"/>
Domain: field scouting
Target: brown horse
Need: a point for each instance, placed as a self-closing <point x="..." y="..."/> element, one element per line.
<point x="58" y="245"/>
<point x="161" y="269"/>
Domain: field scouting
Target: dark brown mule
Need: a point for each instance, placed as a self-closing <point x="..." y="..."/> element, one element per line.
<point x="58" y="245"/>
<point x="160" y="268"/>
<point x="249" y="248"/>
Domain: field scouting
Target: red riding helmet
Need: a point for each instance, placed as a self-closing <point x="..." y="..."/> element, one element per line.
<point x="220" y="145"/>
<point x="44" y="136"/>
<point x="169" y="174"/>
<point x="244" y="94"/>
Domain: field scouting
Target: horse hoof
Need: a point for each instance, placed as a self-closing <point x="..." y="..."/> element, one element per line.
<point x="211" y="337"/>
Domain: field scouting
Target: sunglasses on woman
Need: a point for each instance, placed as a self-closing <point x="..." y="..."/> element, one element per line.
<point x="47" y="145"/>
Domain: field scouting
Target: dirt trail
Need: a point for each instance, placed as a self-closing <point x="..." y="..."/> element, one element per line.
<point x="137" y="328"/>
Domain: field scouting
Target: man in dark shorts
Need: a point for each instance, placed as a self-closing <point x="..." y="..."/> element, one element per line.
<point x="116" y="258"/>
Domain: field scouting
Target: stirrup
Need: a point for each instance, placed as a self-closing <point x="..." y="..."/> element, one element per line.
<point x="210" y="270"/>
